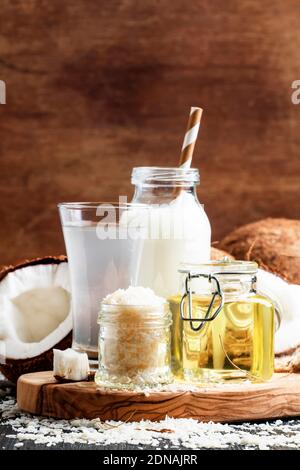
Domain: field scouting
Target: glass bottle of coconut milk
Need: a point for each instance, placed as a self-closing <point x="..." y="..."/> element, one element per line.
<point x="178" y="227"/>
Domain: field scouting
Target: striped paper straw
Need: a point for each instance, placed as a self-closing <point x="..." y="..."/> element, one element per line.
<point x="190" y="137"/>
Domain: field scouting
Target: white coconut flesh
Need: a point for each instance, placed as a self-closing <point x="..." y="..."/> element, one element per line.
<point x="35" y="310"/>
<point x="287" y="297"/>
<point x="70" y="364"/>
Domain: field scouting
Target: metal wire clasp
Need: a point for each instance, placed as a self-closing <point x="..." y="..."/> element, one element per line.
<point x="189" y="294"/>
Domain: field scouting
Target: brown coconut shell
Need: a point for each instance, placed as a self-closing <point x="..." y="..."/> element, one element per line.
<point x="289" y="362"/>
<point x="4" y="270"/>
<point x="273" y="243"/>
<point x="13" y="368"/>
<point x="216" y="254"/>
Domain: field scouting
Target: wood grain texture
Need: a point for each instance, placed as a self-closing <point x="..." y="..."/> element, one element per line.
<point x="94" y="88"/>
<point x="40" y="394"/>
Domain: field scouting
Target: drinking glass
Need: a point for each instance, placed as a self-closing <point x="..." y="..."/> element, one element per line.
<point x="103" y="243"/>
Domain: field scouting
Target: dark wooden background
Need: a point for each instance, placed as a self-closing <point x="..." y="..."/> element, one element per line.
<point x="95" y="87"/>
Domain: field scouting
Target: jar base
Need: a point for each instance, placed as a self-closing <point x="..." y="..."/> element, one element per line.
<point x="214" y="376"/>
<point x="143" y="379"/>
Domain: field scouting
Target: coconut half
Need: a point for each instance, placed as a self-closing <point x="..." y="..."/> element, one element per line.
<point x="35" y="315"/>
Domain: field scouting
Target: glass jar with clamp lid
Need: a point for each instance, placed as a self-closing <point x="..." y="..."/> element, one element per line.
<point x="223" y="329"/>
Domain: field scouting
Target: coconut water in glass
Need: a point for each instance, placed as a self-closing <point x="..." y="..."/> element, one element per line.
<point x="103" y="256"/>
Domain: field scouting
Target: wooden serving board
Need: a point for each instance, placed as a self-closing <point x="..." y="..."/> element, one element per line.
<point x="41" y="394"/>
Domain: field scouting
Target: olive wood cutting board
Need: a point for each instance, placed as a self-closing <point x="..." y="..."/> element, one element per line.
<point x="39" y="393"/>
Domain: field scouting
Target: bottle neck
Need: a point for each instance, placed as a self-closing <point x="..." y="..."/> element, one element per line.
<point x="160" y="194"/>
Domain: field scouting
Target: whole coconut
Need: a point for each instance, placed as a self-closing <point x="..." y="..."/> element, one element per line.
<point x="273" y="243"/>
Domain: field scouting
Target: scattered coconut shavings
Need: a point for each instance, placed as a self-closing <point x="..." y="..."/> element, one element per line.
<point x="166" y="434"/>
<point x="19" y="444"/>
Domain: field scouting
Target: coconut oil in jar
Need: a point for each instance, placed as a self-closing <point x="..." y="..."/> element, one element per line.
<point x="230" y="337"/>
<point x="134" y="340"/>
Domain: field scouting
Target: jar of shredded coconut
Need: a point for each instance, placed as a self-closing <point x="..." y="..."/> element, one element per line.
<point x="134" y="339"/>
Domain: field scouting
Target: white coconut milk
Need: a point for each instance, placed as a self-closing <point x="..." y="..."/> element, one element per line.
<point x="178" y="232"/>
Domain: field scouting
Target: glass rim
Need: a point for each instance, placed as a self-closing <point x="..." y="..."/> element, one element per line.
<point x="159" y="312"/>
<point x="94" y="204"/>
<point x="156" y="175"/>
<point x="141" y="306"/>
<point x="166" y="168"/>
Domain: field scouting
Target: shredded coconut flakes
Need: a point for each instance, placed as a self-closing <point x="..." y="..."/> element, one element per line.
<point x="168" y="433"/>
<point x="134" y="295"/>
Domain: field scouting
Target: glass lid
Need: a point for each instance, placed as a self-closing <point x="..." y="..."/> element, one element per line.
<point x="223" y="266"/>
